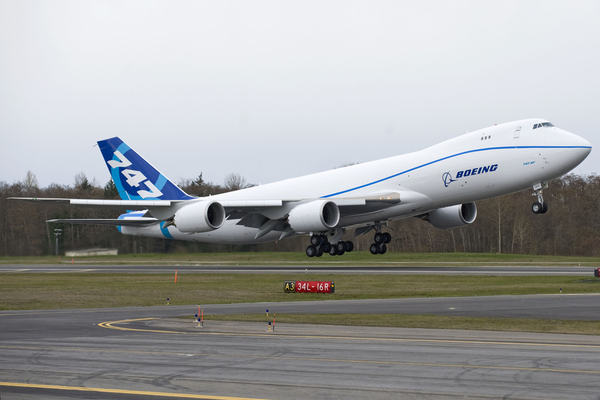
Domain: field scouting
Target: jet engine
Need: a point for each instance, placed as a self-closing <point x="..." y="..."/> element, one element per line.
<point x="316" y="216"/>
<point x="453" y="216"/>
<point x="203" y="216"/>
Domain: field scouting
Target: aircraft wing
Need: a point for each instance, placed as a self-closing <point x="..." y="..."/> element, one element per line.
<point x="229" y="205"/>
<point x="266" y="215"/>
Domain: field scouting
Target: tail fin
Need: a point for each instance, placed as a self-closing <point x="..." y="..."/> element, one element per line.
<point x="134" y="177"/>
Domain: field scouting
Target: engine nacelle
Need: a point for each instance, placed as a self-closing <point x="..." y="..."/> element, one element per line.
<point x="453" y="216"/>
<point x="316" y="216"/>
<point x="203" y="216"/>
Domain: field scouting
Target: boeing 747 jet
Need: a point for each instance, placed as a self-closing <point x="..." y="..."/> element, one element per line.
<point x="438" y="184"/>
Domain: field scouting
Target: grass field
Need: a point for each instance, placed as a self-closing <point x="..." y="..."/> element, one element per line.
<point x="27" y="291"/>
<point x="299" y="258"/>
<point x="92" y="290"/>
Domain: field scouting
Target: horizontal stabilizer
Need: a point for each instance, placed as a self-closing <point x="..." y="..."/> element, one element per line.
<point x="114" y="204"/>
<point x="113" y="222"/>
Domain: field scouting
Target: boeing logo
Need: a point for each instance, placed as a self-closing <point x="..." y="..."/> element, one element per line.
<point x="447" y="177"/>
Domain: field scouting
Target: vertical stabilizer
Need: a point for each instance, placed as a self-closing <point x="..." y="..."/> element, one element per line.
<point x="134" y="177"/>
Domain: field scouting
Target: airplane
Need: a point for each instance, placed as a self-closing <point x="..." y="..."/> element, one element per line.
<point x="438" y="184"/>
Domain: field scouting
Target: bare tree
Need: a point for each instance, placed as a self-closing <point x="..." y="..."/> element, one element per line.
<point x="30" y="183"/>
<point x="235" y="181"/>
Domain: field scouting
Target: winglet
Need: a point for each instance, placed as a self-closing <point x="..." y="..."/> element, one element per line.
<point x="134" y="177"/>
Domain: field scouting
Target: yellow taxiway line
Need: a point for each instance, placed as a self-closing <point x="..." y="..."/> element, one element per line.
<point x="110" y="325"/>
<point x="122" y="391"/>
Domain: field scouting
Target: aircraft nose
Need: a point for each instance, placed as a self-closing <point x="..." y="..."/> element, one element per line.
<point x="582" y="142"/>
<point x="582" y="145"/>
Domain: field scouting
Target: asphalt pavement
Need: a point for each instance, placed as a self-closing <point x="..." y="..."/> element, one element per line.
<point x="148" y="352"/>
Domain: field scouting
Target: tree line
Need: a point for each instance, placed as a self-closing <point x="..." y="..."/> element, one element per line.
<point x="504" y="225"/>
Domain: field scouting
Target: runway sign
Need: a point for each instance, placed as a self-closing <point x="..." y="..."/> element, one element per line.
<point x="308" y="287"/>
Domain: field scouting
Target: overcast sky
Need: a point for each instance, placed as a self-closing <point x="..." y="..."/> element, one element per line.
<point x="274" y="89"/>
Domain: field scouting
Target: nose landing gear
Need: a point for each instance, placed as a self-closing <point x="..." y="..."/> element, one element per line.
<point x="539" y="207"/>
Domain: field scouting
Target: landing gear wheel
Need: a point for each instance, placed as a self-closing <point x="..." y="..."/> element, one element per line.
<point x="540" y="206"/>
<point x="333" y="251"/>
<point x="311" y="251"/>
<point x="326" y="246"/>
<point x="379" y="238"/>
<point x="341" y="248"/>
<point x="382" y="248"/>
<point x="374" y="249"/>
<point x="349" y="246"/>
<point x="388" y="237"/>
<point x="319" y="252"/>
<point x="323" y="238"/>
<point x="315" y="240"/>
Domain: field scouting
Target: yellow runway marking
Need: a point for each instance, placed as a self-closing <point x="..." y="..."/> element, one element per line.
<point x="122" y="391"/>
<point x="109" y="325"/>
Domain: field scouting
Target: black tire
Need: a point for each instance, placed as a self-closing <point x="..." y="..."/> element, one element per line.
<point x="319" y="252"/>
<point x="379" y="238"/>
<point x="333" y="251"/>
<point x="326" y="246"/>
<point x="315" y="240"/>
<point x="341" y="248"/>
<point x="323" y="238"/>
<point x="537" y="207"/>
<point x="544" y="208"/>
<point x="388" y="237"/>
<point x="311" y="251"/>
<point x="382" y="248"/>
<point x="374" y="248"/>
<point x="349" y="246"/>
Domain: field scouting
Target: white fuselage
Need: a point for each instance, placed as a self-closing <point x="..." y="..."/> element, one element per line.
<point x="486" y="163"/>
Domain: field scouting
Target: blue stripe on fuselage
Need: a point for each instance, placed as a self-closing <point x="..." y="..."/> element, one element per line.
<point x="452" y="156"/>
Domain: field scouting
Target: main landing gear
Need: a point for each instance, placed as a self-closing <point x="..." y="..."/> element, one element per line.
<point x="319" y="244"/>
<point x="381" y="239"/>
<point x="539" y="207"/>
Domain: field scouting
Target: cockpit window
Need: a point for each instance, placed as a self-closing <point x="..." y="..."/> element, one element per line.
<point x="543" y="124"/>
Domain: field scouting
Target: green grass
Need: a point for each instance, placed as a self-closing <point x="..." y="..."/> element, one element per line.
<point x="23" y="291"/>
<point x="425" y="321"/>
<point x="299" y="258"/>
<point x="20" y="291"/>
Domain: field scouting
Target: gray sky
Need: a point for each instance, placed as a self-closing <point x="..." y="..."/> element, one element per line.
<point x="273" y="89"/>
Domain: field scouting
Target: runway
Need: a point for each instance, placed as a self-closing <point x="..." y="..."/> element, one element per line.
<point x="146" y="352"/>
<point x="383" y="268"/>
